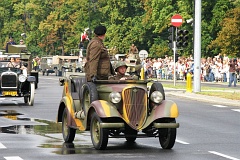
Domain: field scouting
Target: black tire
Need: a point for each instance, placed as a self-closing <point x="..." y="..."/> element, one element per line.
<point x="130" y="135"/>
<point x="67" y="132"/>
<point x="30" y="98"/>
<point x="167" y="136"/>
<point x="25" y="99"/>
<point x="99" y="135"/>
<point x="88" y="94"/>
<point x="36" y="85"/>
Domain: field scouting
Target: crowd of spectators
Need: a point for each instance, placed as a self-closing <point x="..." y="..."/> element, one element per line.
<point x="213" y="69"/>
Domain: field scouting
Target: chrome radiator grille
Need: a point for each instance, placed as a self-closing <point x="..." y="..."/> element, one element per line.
<point x="135" y="106"/>
<point x="9" y="80"/>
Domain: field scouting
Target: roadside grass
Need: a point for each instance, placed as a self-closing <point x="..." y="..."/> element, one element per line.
<point x="228" y="93"/>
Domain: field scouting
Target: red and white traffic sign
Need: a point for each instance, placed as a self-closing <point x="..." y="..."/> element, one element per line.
<point x="177" y="20"/>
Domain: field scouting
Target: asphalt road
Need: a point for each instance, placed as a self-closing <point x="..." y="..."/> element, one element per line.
<point x="207" y="132"/>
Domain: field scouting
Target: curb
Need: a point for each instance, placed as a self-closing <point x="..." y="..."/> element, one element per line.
<point x="204" y="98"/>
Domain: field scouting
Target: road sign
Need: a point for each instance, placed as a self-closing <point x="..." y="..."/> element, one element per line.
<point x="177" y="20"/>
<point x="143" y="54"/>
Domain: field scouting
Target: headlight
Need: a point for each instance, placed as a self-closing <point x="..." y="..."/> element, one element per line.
<point x="115" y="97"/>
<point x="22" y="78"/>
<point x="156" y="97"/>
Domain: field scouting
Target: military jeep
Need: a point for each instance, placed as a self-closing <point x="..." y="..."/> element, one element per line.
<point x="118" y="109"/>
<point x="47" y="66"/>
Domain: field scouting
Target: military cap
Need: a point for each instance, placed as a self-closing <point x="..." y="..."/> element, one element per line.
<point x="119" y="64"/>
<point x="100" y="30"/>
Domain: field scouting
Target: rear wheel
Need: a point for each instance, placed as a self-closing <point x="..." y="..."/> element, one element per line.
<point x="67" y="132"/>
<point x="99" y="135"/>
<point x="167" y="136"/>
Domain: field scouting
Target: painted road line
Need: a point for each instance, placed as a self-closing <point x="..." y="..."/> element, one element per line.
<point x="223" y="155"/>
<point x="220" y="106"/>
<point x="236" y="110"/>
<point x="182" y="142"/>
<point x="13" y="158"/>
<point x="2" y="146"/>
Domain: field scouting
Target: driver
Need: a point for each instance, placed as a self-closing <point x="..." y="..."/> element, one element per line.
<point x="121" y="68"/>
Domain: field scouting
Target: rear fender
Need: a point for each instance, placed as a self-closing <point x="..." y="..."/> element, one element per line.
<point x="73" y="122"/>
<point x="64" y="103"/>
<point x="105" y="109"/>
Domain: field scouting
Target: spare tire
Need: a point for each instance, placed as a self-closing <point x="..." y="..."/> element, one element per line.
<point x="88" y="95"/>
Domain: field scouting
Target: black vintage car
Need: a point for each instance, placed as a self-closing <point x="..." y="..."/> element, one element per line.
<point x="14" y="82"/>
<point x="18" y="81"/>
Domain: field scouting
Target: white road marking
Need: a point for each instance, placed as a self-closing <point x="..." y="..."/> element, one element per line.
<point x="13" y="158"/>
<point x="2" y="146"/>
<point x="223" y="155"/>
<point x="237" y="110"/>
<point x="220" y="106"/>
<point x="182" y="142"/>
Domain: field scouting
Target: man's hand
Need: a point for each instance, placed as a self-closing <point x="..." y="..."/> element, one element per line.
<point x="94" y="78"/>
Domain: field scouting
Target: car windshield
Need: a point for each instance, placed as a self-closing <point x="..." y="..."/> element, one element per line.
<point x="4" y="68"/>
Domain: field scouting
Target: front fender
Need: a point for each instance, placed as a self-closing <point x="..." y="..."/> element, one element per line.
<point x="167" y="109"/>
<point x="31" y="78"/>
<point x="105" y="109"/>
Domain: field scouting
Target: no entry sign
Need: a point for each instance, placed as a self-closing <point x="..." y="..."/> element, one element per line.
<point x="177" y="20"/>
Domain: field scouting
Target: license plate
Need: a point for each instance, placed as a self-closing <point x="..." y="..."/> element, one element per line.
<point x="9" y="93"/>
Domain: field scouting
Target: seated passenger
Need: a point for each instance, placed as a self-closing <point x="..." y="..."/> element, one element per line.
<point x="121" y="68"/>
<point x="11" y="63"/>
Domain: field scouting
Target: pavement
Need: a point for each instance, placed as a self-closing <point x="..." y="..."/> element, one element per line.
<point x="204" y="98"/>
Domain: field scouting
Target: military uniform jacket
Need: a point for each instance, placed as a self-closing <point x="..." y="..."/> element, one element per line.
<point x="98" y="61"/>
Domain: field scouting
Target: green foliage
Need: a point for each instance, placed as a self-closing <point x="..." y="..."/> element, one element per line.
<point x="54" y="27"/>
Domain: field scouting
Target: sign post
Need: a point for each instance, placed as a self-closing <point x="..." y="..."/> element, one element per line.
<point x="176" y="21"/>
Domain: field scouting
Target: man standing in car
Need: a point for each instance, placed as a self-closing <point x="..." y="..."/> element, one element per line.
<point x="98" y="65"/>
<point x="11" y="42"/>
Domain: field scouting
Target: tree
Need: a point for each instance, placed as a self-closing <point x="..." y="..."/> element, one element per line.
<point x="228" y="39"/>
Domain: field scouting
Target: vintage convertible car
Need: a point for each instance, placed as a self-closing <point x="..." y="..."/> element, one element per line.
<point x="15" y="82"/>
<point x="116" y="108"/>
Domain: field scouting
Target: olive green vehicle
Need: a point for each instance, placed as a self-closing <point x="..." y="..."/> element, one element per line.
<point x="126" y="109"/>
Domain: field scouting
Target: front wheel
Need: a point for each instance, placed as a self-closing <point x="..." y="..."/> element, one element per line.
<point x="130" y="134"/>
<point x="167" y="136"/>
<point x="67" y="132"/>
<point x="30" y="98"/>
<point x="99" y="135"/>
